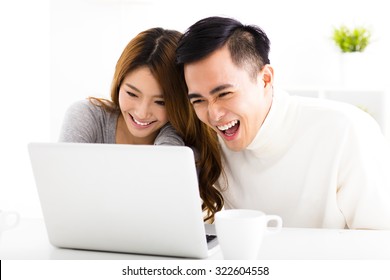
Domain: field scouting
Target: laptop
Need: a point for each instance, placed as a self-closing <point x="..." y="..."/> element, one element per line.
<point x="139" y="199"/>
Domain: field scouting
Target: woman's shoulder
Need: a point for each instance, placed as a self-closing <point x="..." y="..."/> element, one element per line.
<point x="87" y="121"/>
<point x="91" y="107"/>
<point x="81" y="106"/>
<point x="168" y="136"/>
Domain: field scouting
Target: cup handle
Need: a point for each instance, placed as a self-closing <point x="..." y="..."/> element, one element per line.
<point x="278" y="226"/>
<point x="15" y="219"/>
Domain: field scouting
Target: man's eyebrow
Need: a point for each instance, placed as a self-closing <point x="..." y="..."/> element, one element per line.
<point x="194" y="95"/>
<point x="220" y="88"/>
<point x="213" y="91"/>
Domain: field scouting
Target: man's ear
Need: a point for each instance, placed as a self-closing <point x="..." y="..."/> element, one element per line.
<point x="268" y="75"/>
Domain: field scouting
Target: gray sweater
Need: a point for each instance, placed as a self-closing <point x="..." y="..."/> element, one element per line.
<point x="85" y="122"/>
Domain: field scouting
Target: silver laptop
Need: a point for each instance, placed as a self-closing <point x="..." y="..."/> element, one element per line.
<point x="121" y="198"/>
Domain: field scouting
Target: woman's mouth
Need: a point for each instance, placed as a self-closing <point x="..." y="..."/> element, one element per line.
<point x="141" y="123"/>
<point x="230" y="128"/>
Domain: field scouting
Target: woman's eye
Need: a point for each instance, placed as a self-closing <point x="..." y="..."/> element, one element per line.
<point x="160" y="102"/>
<point x="131" y="94"/>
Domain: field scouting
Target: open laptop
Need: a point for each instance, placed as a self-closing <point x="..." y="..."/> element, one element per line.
<point x="121" y="198"/>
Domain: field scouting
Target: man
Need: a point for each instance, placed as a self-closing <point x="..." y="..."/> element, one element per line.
<point x="314" y="162"/>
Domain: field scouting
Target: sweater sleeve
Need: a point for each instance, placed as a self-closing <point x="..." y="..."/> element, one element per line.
<point x="168" y="136"/>
<point x="79" y="124"/>
<point x="364" y="177"/>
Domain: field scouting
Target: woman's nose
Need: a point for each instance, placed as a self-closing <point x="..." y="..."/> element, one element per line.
<point x="143" y="110"/>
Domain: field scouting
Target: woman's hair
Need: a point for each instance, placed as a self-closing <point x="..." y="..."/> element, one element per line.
<point x="155" y="48"/>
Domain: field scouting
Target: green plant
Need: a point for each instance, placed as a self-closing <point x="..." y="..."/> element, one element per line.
<point x="351" y="40"/>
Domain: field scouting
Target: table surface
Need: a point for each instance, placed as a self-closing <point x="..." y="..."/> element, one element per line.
<point x="29" y="241"/>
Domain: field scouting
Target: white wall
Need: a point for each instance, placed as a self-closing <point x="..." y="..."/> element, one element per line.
<point x="25" y="107"/>
<point x="86" y="38"/>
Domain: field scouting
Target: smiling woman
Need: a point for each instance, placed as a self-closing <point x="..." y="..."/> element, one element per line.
<point x="141" y="101"/>
<point x="136" y="113"/>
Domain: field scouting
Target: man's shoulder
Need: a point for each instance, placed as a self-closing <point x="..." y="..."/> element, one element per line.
<point x="337" y="109"/>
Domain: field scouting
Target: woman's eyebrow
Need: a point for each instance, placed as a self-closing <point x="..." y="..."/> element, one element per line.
<point x="133" y="87"/>
<point x="139" y="91"/>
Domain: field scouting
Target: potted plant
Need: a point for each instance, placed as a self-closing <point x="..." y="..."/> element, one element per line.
<point x="352" y="42"/>
<point x="351" y="39"/>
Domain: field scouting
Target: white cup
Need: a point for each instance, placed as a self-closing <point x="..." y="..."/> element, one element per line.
<point x="8" y="220"/>
<point x="240" y="232"/>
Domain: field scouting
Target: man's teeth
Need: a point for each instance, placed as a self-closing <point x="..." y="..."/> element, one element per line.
<point x="141" y="123"/>
<point x="227" y="126"/>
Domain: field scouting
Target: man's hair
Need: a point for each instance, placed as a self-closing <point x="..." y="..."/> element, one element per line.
<point x="249" y="46"/>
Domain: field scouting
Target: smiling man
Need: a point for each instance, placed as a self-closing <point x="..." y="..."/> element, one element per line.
<point x="228" y="99"/>
<point x="316" y="163"/>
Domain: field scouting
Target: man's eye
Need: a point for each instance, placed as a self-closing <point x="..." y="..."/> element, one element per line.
<point x="196" y="101"/>
<point x="223" y="94"/>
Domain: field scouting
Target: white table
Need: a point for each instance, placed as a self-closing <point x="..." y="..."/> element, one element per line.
<point x="29" y="241"/>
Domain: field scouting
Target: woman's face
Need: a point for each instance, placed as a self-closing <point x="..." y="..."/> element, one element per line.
<point x="142" y="105"/>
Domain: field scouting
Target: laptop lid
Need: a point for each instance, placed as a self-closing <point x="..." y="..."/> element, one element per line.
<point x="121" y="198"/>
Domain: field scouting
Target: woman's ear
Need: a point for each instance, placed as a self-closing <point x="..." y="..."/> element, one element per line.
<point x="268" y="75"/>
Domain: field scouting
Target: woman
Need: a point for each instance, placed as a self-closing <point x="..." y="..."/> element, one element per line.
<point x="146" y="107"/>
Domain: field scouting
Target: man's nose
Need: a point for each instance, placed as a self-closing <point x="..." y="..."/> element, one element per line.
<point x="215" y="112"/>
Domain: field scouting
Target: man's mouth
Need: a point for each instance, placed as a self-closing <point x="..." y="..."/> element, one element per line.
<point x="230" y="128"/>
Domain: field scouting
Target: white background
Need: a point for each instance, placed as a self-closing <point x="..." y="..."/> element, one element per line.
<point x="53" y="53"/>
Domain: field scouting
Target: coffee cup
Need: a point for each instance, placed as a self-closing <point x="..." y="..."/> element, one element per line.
<point x="240" y="232"/>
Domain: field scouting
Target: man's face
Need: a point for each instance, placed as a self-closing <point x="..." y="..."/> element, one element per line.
<point x="228" y="99"/>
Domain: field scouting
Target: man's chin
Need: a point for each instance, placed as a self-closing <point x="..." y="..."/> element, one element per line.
<point x="233" y="145"/>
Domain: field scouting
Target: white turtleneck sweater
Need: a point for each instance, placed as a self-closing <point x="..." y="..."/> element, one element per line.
<point x="315" y="163"/>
